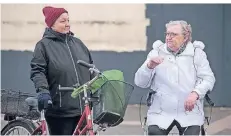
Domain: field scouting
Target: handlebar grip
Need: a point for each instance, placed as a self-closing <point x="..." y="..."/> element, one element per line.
<point x="209" y="100"/>
<point x="48" y="104"/>
<point x="85" y="64"/>
<point x="65" y="89"/>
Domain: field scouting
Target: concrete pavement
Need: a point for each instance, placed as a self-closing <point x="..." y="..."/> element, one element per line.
<point x="220" y="122"/>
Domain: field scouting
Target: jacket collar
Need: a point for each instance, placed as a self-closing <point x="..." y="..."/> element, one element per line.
<point x="50" y="33"/>
<point x="188" y="51"/>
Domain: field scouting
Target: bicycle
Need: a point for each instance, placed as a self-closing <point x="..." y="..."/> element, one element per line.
<point x="98" y="108"/>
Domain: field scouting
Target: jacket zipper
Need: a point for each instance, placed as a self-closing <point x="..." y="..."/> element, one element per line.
<point x="177" y="69"/>
<point x="78" y="84"/>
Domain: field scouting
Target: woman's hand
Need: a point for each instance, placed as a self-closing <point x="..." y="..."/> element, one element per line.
<point x="155" y="62"/>
<point x="191" y="101"/>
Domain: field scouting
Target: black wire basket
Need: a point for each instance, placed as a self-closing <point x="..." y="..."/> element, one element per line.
<point x="13" y="102"/>
<point x="113" y="100"/>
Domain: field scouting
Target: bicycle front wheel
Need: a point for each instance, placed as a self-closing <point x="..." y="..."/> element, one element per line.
<point x="18" y="127"/>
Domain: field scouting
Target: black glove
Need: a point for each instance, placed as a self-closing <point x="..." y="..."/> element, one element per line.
<point x="44" y="99"/>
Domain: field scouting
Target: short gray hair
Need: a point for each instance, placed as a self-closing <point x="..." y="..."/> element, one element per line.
<point x="186" y="28"/>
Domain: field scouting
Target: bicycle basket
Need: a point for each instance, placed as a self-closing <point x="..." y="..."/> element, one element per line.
<point x="114" y="96"/>
<point x="13" y="102"/>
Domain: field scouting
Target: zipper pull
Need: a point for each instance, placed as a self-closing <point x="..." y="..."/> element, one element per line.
<point x="66" y="37"/>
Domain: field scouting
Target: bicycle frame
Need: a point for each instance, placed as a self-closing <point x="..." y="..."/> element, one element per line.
<point x="43" y="127"/>
<point x="86" y="115"/>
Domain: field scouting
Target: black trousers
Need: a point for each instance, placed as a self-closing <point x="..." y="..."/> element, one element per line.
<point x="62" y="125"/>
<point x="191" y="130"/>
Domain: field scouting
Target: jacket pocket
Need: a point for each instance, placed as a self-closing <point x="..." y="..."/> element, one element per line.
<point x="65" y="102"/>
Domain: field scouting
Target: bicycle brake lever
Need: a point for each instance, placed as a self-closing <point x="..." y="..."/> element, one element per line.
<point x="94" y="70"/>
<point x="76" y="85"/>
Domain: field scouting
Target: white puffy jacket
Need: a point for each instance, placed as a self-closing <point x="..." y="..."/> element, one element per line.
<point x="174" y="80"/>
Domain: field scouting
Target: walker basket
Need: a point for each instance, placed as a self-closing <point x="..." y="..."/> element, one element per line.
<point x="13" y="102"/>
<point x="113" y="100"/>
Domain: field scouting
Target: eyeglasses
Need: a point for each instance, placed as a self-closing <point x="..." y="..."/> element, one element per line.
<point x="171" y="34"/>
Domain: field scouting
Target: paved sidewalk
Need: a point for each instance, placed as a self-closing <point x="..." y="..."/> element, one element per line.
<point x="220" y="122"/>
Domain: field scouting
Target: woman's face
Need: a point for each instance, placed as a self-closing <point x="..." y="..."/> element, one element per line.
<point x="62" y="24"/>
<point x="174" y="37"/>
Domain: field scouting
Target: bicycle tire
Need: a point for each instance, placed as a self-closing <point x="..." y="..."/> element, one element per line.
<point x="26" y="124"/>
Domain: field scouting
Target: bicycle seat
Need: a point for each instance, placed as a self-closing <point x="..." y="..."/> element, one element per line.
<point x="32" y="102"/>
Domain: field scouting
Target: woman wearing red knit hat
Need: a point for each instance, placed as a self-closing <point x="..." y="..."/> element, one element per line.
<point x="54" y="63"/>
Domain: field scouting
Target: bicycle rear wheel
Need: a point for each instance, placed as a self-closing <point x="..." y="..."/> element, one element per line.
<point x="18" y="127"/>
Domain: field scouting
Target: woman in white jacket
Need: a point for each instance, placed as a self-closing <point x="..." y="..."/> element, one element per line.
<point x="180" y="74"/>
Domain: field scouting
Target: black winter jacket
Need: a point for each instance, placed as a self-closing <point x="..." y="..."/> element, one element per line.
<point x="54" y="63"/>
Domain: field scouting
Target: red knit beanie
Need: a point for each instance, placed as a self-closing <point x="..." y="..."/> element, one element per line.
<point x="52" y="14"/>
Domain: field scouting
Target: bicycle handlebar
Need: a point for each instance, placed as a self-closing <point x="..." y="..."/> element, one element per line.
<point x="85" y="64"/>
<point x="91" y="68"/>
<point x="65" y="89"/>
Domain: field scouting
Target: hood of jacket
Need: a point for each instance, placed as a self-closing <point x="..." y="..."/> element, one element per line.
<point x="188" y="51"/>
<point x="51" y="34"/>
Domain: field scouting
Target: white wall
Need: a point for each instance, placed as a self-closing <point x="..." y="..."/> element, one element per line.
<point x="114" y="27"/>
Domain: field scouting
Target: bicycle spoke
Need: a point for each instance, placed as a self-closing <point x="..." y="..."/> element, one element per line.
<point x="18" y="131"/>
